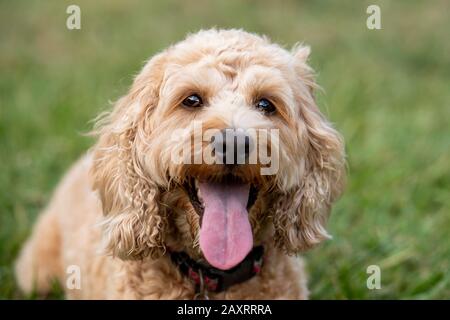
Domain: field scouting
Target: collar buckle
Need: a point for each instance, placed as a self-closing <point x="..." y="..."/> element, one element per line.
<point x="201" y="290"/>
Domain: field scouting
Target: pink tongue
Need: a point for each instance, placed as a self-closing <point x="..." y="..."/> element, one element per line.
<point x="225" y="235"/>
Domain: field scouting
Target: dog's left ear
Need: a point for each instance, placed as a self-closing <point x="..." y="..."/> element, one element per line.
<point x="302" y="211"/>
<point x="133" y="225"/>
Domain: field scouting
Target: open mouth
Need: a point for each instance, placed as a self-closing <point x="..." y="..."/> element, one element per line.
<point x="192" y="189"/>
<point x="225" y="231"/>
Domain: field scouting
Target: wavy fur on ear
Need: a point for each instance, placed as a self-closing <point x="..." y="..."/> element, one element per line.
<point x="133" y="226"/>
<point x="301" y="213"/>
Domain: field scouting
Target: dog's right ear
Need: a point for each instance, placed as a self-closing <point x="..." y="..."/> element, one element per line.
<point x="301" y="212"/>
<point x="133" y="226"/>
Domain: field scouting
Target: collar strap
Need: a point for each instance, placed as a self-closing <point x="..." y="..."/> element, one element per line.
<point x="210" y="279"/>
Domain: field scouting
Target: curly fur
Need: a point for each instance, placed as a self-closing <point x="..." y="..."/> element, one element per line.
<point x="125" y="197"/>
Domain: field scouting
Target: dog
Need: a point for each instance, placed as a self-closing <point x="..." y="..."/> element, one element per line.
<point x="129" y="222"/>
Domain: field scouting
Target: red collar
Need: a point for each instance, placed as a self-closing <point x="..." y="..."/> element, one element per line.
<point x="210" y="279"/>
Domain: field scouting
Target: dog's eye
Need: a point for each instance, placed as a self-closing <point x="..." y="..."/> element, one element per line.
<point x="265" y="106"/>
<point x="193" y="101"/>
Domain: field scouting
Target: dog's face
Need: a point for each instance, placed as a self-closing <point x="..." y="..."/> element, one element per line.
<point x="218" y="146"/>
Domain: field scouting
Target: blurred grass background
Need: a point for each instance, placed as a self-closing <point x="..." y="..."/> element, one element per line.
<point x="387" y="91"/>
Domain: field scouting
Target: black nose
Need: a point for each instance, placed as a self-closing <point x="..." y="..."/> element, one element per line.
<point x="232" y="146"/>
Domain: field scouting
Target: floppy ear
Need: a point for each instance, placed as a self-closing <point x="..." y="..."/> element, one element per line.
<point x="133" y="224"/>
<point x="301" y="212"/>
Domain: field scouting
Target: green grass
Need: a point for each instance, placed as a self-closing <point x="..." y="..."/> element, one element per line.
<point x="387" y="91"/>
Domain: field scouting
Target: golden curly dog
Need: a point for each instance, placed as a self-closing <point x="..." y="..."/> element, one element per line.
<point x="139" y="225"/>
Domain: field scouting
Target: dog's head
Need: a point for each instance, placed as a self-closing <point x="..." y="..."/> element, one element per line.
<point x="218" y="146"/>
